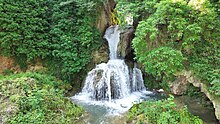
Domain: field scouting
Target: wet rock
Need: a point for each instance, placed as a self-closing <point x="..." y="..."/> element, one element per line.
<point x="124" y="47"/>
<point x="115" y="94"/>
<point x="98" y="76"/>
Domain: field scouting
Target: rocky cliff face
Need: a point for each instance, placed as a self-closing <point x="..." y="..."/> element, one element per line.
<point x="103" y="22"/>
<point x="104" y="19"/>
<point x="179" y="86"/>
<point x="214" y="99"/>
<point x="125" y="50"/>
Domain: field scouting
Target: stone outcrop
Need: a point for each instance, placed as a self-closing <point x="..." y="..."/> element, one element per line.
<point x="179" y="86"/>
<point x="7" y="63"/>
<point x="104" y="19"/>
<point x="214" y="99"/>
<point x="124" y="46"/>
<point x="101" y="55"/>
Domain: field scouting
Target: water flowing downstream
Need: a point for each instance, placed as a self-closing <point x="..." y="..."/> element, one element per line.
<point x="112" y="87"/>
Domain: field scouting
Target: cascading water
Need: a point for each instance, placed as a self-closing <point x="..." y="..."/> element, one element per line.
<point x="112" y="35"/>
<point x="109" y="84"/>
<point x="137" y="79"/>
<point x="108" y="81"/>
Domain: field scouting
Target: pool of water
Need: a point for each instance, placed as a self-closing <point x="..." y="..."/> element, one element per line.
<point x="110" y="112"/>
<point x="206" y="113"/>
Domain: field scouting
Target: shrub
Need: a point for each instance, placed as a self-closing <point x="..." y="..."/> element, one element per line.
<point x="37" y="98"/>
<point x="161" y="112"/>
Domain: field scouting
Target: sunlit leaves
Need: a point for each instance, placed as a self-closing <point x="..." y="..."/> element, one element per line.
<point x="163" y="61"/>
<point x="191" y="27"/>
<point x="161" y="112"/>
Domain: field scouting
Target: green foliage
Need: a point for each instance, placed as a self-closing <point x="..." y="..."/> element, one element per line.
<point x="189" y="26"/>
<point x="215" y="86"/>
<point x="73" y="37"/>
<point x="172" y="21"/>
<point x="161" y="112"/>
<point x="41" y="79"/>
<point x="37" y="99"/>
<point x="193" y="91"/>
<point x="58" y="31"/>
<point x="7" y="72"/>
<point x="24" y="28"/>
<point x="151" y="82"/>
<point x="205" y="61"/>
<point x="163" y="61"/>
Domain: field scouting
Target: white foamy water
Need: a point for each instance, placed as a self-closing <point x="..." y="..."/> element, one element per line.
<point x="108" y="81"/>
<point x="115" y="106"/>
<point x="112" y="35"/>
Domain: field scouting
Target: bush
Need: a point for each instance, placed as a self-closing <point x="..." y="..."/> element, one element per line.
<point x="205" y="61"/>
<point x="191" y="27"/>
<point x="59" y="32"/>
<point x="163" y="61"/>
<point x="161" y="112"/>
<point x="37" y="98"/>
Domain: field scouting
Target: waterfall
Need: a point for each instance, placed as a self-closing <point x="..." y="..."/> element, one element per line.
<point x="112" y="82"/>
<point x="108" y="81"/>
<point x="112" y="35"/>
<point x="137" y="79"/>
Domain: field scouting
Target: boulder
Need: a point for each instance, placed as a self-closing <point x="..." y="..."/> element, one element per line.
<point x="179" y="85"/>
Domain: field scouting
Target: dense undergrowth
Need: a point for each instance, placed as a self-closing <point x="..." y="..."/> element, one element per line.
<point x="176" y="35"/>
<point x="59" y="32"/>
<point x="161" y="112"/>
<point x="35" y="98"/>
